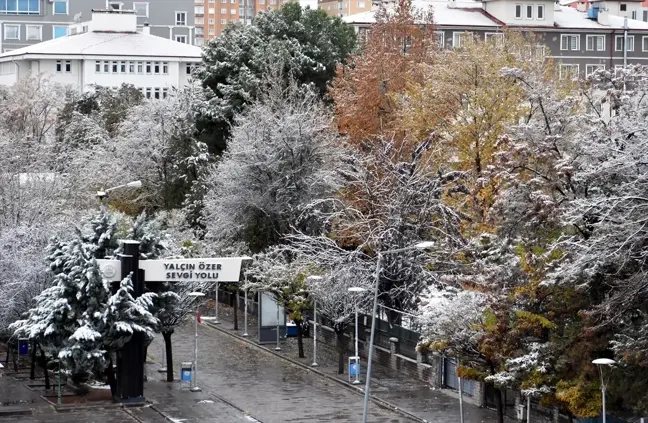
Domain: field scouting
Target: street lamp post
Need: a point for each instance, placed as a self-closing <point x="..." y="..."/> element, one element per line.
<point x="195" y="387"/>
<point x="245" y="332"/>
<point x="600" y="362"/>
<point x="419" y="246"/>
<point x="313" y="278"/>
<point x="102" y="194"/>
<point x="355" y="290"/>
<point x="278" y="348"/>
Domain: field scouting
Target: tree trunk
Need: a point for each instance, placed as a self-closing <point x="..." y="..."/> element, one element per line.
<point x="498" y="404"/>
<point x="110" y="376"/>
<point x="340" y="347"/>
<point x="43" y="359"/>
<point x="235" y="310"/>
<point x="300" y="337"/>
<point x="169" y="354"/>
<point x="32" y="365"/>
<point x="7" y="357"/>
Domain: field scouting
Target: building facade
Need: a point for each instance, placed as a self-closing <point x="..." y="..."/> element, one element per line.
<point x="578" y="41"/>
<point x="28" y="22"/>
<point x="343" y="8"/>
<point x="111" y="52"/>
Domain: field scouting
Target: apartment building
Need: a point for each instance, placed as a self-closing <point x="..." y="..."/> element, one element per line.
<point x="344" y="8"/>
<point x="109" y="53"/>
<point x="27" y="22"/>
<point x="579" y="41"/>
<point x="212" y="16"/>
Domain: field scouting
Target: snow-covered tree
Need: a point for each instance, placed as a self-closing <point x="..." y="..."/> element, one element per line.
<point x="308" y="44"/>
<point x="171" y="159"/>
<point x="276" y="273"/>
<point x="125" y="317"/>
<point x="281" y="158"/>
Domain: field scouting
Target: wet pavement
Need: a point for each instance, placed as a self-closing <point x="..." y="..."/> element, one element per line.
<point x="264" y="386"/>
<point x="407" y="393"/>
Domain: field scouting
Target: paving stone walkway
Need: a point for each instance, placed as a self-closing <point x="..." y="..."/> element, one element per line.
<point x="265" y="387"/>
<point x="411" y="395"/>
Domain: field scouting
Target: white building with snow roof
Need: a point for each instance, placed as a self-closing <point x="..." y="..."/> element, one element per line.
<point x="107" y="53"/>
<point x="579" y="40"/>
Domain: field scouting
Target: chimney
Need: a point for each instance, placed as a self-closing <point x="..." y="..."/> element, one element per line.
<point x="113" y="21"/>
<point x="603" y="17"/>
<point x="146" y="29"/>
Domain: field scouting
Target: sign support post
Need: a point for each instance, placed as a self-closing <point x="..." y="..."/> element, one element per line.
<point x="130" y="359"/>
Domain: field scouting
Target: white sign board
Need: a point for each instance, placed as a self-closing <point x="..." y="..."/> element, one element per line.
<point x="179" y="270"/>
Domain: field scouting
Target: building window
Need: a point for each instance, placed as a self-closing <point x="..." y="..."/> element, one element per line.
<point x="233" y="1"/>
<point x="438" y="35"/>
<point x="59" y="66"/>
<point x="148" y="92"/>
<point x="199" y="10"/>
<point x="181" y="18"/>
<point x="122" y="67"/>
<point x="263" y="2"/>
<point x="529" y="11"/>
<point x="98" y="66"/>
<point x="60" y="31"/>
<point x="165" y="68"/>
<point x="156" y="93"/>
<point x="495" y="37"/>
<point x="131" y="67"/>
<point x="644" y="44"/>
<point x="113" y="5"/>
<point x="165" y="92"/>
<point x="361" y="5"/>
<point x="141" y="9"/>
<point x="212" y="10"/>
<point x="106" y="67"/>
<point x="518" y="11"/>
<point x="590" y="69"/>
<point x="233" y="11"/>
<point x="570" y="42"/>
<point x="148" y="67"/>
<point x="189" y="69"/>
<point x="540" y="12"/>
<point x="114" y="67"/>
<point x="200" y="32"/>
<point x="200" y="21"/>
<point x="645" y="15"/>
<point x="568" y="71"/>
<point x="619" y="43"/>
<point x="459" y="38"/>
<point x="211" y="21"/>
<point x="223" y="21"/>
<point x="34" y="32"/>
<point x="181" y="39"/>
<point x="223" y="11"/>
<point x="273" y="1"/>
<point x="156" y="68"/>
<point x="140" y="67"/>
<point x="12" y="32"/>
<point x="623" y="7"/>
<point x="20" y="7"/>
<point x="60" y="7"/>
<point x="212" y="32"/>
<point x="68" y="66"/>
<point x="595" y="42"/>
<point x="224" y="1"/>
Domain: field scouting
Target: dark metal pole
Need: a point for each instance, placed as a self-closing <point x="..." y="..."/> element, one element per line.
<point x="130" y="359"/>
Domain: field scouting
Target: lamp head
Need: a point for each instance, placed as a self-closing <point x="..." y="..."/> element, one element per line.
<point x="196" y="294"/>
<point x="314" y="278"/>
<point x="134" y="184"/>
<point x="356" y="289"/>
<point x="603" y="361"/>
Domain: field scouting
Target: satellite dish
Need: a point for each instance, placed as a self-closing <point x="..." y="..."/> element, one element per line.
<point x="78" y="17"/>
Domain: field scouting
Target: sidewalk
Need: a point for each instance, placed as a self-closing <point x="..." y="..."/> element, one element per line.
<point x="410" y="395"/>
<point x="253" y="381"/>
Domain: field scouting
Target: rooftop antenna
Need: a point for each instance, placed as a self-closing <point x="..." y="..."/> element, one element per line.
<point x="78" y="17"/>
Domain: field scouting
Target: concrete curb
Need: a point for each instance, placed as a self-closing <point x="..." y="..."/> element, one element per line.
<point x="384" y="404"/>
<point x="17" y="412"/>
